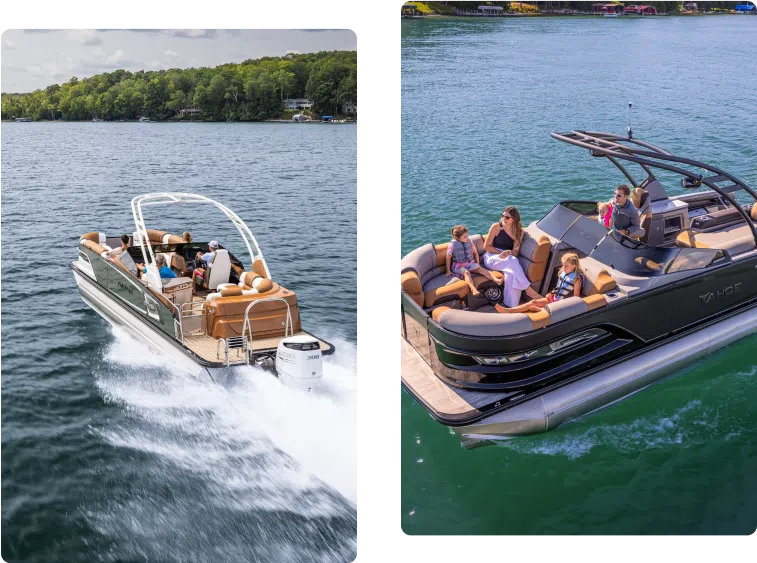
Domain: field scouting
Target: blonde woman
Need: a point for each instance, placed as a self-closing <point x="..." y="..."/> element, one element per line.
<point x="570" y="280"/>
<point x="502" y="246"/>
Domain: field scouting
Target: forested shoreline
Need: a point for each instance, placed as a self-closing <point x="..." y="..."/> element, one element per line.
<point x="253" y="90"/>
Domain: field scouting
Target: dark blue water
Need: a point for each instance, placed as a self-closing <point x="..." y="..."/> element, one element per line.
<point x="109" y="452"/>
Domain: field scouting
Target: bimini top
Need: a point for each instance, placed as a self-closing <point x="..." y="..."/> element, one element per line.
<point x="617" y="147"/>
<point x="178" y="198"/>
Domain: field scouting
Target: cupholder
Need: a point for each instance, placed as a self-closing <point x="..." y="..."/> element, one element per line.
<point x="613" y="295"/>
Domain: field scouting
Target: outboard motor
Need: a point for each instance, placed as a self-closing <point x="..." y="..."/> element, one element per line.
<point x="299" y="362"/>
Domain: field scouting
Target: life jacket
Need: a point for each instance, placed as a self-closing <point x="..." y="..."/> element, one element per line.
<point x="566" y="284"/>
<point x="462" y="251"/>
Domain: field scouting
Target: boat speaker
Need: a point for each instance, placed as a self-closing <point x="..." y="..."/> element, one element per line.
<point x="493" y="294"/>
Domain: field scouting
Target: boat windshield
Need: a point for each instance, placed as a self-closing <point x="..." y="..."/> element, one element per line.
<point x="638" y="259"/>
<point x="558" y="221"/>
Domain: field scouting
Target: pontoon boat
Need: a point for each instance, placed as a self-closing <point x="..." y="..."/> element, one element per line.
<point x="650" y="305"/>
<point x="237" y="316"/>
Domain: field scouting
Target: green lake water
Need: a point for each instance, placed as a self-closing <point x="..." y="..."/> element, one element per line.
<point x="479" y="100"/>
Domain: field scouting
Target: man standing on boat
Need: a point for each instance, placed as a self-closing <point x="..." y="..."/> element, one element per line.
<point x="625" y="216"/>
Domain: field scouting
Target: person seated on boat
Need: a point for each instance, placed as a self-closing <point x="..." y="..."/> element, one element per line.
<point x="570" y="280"/>
<point x="462" y="259"/>
<point x="198" y="274"/>
<point x="501" y="247"/>
<point x="186" y="237"/>
<point x="113" y="254"/>
<point x="604" y="213"/>
<point x="625" y="216"/>
<point x="163" y="269"/>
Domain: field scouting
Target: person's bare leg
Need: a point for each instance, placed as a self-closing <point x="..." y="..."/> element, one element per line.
<point x="532" y="306"/>
<point x="487" y="274"/>
<point x="532" y="293"/>
<point x="469" y="280"/>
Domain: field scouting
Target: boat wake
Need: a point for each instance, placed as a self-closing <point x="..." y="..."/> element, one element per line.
<point x="245" y="463"/>
<point x="697" y="422"/>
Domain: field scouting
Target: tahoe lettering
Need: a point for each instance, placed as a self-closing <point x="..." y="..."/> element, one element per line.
<point x="724" y="292"/>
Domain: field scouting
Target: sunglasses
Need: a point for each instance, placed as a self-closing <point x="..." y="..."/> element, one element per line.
<point x="506" y="217"/>
<point x="619" y="195"/>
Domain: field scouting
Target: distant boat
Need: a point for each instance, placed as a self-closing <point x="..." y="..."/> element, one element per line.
<point x="145" y="120"/>
<point x="611" y="15"/>
<point x="96" y="120"/>
<point x="23" y="119"/>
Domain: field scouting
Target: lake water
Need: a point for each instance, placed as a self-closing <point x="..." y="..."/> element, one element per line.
<point x="479" y="100"/>
<point x="109" y="453"/>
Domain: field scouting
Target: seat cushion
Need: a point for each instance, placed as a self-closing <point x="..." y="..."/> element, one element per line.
<point x="484" y="324"/>
<point x="420" y="260"/>
<point x="566" y="308"/>
<point x="533" y="257"/>
<point x="443" y="288"/>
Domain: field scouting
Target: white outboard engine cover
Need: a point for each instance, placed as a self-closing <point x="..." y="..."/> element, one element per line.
<point x="299" y="362"/>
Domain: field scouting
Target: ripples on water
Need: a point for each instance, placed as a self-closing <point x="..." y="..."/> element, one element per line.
<point x="109" y="452"/>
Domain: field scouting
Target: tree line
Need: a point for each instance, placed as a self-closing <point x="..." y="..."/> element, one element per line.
<point x="667" y="7"/>
<point x="249" y="91"/>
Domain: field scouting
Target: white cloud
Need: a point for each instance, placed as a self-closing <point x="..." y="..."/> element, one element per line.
<point x="85" y="36"/>
<point x="195" y="33"/>
<point x="171" y="54"/>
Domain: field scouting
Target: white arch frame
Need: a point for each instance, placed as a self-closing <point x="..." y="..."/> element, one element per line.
<point x="173" y="198"/>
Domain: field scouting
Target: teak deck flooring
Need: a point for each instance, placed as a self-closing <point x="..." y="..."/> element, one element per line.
<point x="418" y="376"/>
<point x="205" y="347"/>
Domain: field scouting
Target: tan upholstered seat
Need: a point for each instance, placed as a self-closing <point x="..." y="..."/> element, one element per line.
<point x="225" y="313"/>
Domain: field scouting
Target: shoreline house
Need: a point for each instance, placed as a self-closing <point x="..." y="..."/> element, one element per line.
<point x="190" y="111"/>
<point x="294" y="104"/>
<point x="607" y="8"/>
<point x="349" y="107"/>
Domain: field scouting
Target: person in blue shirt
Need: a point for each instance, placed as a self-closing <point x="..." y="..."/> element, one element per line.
<point x="198" y="275"/>
<point x="163" y="269"/>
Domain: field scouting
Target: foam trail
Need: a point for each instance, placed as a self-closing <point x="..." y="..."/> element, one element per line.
<point x="317" y="429"/>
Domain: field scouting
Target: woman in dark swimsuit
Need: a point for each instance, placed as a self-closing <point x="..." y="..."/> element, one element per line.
<point x="502" y="246"/>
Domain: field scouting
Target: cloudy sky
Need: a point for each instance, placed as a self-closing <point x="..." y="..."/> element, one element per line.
<point x="33" y="59"/>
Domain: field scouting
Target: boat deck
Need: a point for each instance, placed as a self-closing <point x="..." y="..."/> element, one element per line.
<point x="205" y="346"/>
<point x="421" y="381"/>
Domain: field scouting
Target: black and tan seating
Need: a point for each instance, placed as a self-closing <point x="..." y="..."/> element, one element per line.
<point x="422" y="277"/>
<point x="735" y="238"/>
<point x="533" y="258"/>
<point x="496" y="324"/>
<point x="640" y="198"/>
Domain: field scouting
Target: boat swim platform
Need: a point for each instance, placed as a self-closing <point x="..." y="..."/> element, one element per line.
<point x="208" y="349"/>
<point x="426" y="387"/>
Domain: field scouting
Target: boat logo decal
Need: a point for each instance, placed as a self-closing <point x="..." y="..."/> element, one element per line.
<point x="726" y="291"/>
<point x="125" y="287"/>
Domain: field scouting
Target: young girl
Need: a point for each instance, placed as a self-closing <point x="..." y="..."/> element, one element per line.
<point x="570" y="280"/>
<point x="604" y="208"/>
<point x="462" y="259"/>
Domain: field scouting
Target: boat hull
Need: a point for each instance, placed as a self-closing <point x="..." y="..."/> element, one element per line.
<point x="555" y="407"/>
<point x="119" y="315"/>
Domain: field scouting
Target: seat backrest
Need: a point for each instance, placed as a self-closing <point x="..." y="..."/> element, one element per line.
<point x="219" y="269"/>
<point x="597" y="284"/>
<point x="178" y="264"/>
<point x="533" y="257"/>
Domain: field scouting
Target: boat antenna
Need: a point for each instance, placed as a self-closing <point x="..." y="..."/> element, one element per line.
<point x="630" y="131"/>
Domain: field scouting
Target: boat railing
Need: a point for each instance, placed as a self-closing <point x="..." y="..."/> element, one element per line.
<point x="191" y="316"/>
<point x="247" y="326"/>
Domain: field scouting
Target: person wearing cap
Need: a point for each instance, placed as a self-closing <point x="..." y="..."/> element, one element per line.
<point x="198" y="275"/>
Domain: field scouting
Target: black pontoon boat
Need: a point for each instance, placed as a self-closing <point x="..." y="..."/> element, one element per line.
<point x="684" y="288"/>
